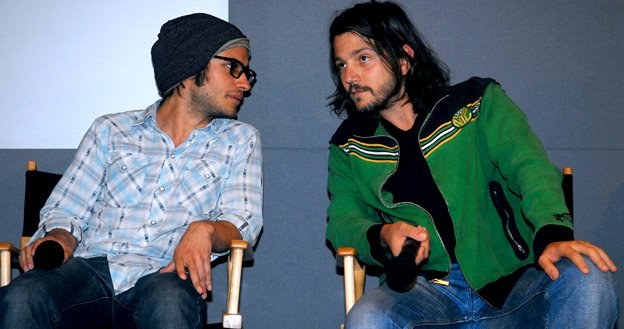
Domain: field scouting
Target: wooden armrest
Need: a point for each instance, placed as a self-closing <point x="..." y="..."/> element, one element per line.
<point x="7" y="246"/>
<point x="231" y="317"/>
<point x="6" y="249"/>
<point x="344" y="252"/>
<point x="354" y="276"/>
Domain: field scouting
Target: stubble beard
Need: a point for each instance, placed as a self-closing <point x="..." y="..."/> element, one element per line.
<point x="205" y="106"/>
<point x="387" y="95"/>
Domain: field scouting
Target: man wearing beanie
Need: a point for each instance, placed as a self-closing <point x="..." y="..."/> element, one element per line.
<point x="152" y="196"/>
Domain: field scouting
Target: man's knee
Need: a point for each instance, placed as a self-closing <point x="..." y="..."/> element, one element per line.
<point x="568" y="271"/>
<point x="596" y="287"/>
<point x="23" y="301"/>
<point x="165" y="298"/>
<point x="26" y="289"/>
<point x="374" y="310"/>
<point x="166" y="287"/>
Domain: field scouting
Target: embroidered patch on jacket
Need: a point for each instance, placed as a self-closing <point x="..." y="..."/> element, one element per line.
<point x="372" y="152"/>
<point x="565" y="217"/>
<point x="448" y="130"/>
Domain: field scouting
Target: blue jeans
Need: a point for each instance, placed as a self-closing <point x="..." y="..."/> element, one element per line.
<point x="574" y="300"/>
<point x="80" y="294"/>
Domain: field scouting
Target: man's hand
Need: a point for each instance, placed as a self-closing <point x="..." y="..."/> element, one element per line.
<point x="394" y="235"/>
<point x="192" y="255"/>
<point x="64" y="238"/>
<point x="573" y="250"/>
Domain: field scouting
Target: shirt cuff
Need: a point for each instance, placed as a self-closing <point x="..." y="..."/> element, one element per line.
<point x="53" y="224"/>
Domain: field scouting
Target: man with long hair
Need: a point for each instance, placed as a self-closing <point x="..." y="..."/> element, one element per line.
<point x="457" y="169"/>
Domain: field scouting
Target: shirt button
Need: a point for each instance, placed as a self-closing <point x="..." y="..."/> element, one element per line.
<point x="153" y="222"/>
<point x="162" y="188"/>
<point x="172" y="156"/>
<point x="124" y="167"/>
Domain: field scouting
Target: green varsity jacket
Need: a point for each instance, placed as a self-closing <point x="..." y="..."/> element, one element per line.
<point x="473" y="136"/>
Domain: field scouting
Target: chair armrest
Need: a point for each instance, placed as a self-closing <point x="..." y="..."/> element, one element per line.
<point x="6" y="249"/>
<point x="231" y="317"/>
<point x="354" y="276"/>
<point x="9" y="247"/>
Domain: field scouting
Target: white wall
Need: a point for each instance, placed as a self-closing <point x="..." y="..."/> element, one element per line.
<point x="63" y="63"/>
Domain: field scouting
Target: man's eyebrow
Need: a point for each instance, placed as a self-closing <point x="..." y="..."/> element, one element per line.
<point x="355" y="52"/>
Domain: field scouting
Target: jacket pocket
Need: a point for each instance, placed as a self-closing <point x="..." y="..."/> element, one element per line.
<point x="519" y="246"/>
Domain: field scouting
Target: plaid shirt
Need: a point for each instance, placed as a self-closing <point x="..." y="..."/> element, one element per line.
<point x="130" y="194"/>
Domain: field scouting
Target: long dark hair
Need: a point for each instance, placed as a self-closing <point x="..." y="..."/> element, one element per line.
<point x="387" y="28"/>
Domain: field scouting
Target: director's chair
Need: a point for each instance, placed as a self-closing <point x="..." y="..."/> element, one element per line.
<point x="39" y="186"/>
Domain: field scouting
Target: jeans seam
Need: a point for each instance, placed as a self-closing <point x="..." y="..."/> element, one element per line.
<point x="83" y="303"/>
<point x="56" y="321"/>
<point x="514" y="309"/>
<point x="199" y="323"/>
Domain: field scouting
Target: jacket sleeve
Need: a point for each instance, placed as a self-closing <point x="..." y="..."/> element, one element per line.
<point x="521" y="159"/>
<point x="349" y="217"/>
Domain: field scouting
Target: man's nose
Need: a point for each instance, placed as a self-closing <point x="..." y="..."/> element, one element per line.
<point x="350" y="75"/>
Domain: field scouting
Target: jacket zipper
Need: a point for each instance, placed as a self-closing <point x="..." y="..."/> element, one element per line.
<point x="436" y="280"/>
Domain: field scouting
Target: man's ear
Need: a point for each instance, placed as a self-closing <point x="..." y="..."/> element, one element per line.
<point x="405" y="65"/>
<point x="182" y="88"/>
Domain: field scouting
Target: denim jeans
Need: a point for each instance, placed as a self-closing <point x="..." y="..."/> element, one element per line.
<point x="79" y="294"/>
<point x="574" y="300"/>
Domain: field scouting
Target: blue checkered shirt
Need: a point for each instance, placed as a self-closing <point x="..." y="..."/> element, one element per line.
<point x="130" y="194"/>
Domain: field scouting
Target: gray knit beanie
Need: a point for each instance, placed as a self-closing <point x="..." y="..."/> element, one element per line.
<point x="186" y="44"/>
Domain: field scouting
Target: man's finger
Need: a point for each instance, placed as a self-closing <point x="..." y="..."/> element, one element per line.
<point x="548" y="267"/>
<point x="577" y="259"/>
<point x="169" y="268"/>
<point x="195" y="279"/>
<point x="609" y="264"/>
<point x="26" y="257"/>
<point x="180" y="268"/>
<point x="208" y="275"/>
<point x="201" y="276"/>
<point x="600" y="258"/>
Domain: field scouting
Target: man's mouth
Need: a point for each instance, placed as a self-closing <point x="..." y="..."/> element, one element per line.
<point x="357" y="89"/>
<point x="238" y="98"/>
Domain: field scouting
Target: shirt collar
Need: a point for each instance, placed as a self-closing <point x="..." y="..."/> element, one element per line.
<point x="219" y="125"/>
<point x="150" y="112"/>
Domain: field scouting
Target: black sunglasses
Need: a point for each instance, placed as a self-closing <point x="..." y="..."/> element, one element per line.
<point x="237" y="69"/>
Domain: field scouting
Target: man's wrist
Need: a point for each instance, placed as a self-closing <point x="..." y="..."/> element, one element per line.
<point x="377" y="246"/>
<point x="64" y="237"/>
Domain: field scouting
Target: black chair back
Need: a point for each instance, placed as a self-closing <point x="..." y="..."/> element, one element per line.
<point x="39" y="186"/>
